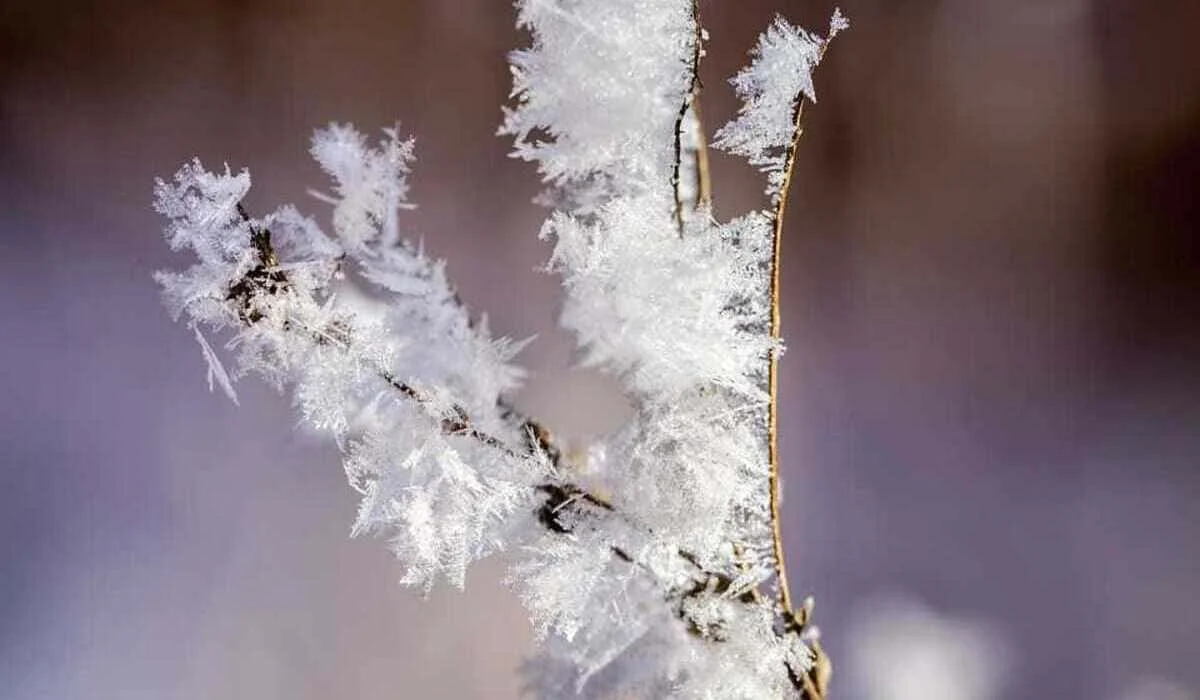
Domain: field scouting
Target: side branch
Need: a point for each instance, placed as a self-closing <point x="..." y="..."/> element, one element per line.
<point x="269" y="278"/>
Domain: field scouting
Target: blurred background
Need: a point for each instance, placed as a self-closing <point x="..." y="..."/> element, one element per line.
<point x="991" y="396"/>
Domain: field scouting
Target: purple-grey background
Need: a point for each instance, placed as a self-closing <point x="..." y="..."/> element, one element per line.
<point x="991" y="393"/>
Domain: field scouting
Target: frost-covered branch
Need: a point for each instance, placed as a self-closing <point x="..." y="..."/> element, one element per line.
<point x="565" y="505"/>
<point x="649" y="564"/>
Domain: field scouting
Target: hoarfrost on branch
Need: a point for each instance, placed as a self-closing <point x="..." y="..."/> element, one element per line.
<point x="651" y="570"/>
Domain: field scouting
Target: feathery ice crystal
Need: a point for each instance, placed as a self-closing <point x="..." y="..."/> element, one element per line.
<point x="652" y="570"/>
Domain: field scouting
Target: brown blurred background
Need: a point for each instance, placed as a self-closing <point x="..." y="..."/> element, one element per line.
<point x="992" y="388"/>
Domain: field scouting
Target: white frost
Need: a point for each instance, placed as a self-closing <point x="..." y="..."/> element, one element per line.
<point x="651" y="575"/>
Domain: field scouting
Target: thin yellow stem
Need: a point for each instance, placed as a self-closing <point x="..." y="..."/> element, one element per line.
<point x="785" y="595"/>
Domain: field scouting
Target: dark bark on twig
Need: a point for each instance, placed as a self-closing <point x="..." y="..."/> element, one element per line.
<point x="690" y="98"/>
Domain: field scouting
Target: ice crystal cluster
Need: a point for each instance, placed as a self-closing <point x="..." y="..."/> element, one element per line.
<point x="648" y="567"/>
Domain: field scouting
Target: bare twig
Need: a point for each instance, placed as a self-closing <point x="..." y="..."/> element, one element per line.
<point x="813" y="684"/>
<point x="785" y="596"/>
<point x="703" y="171"/>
